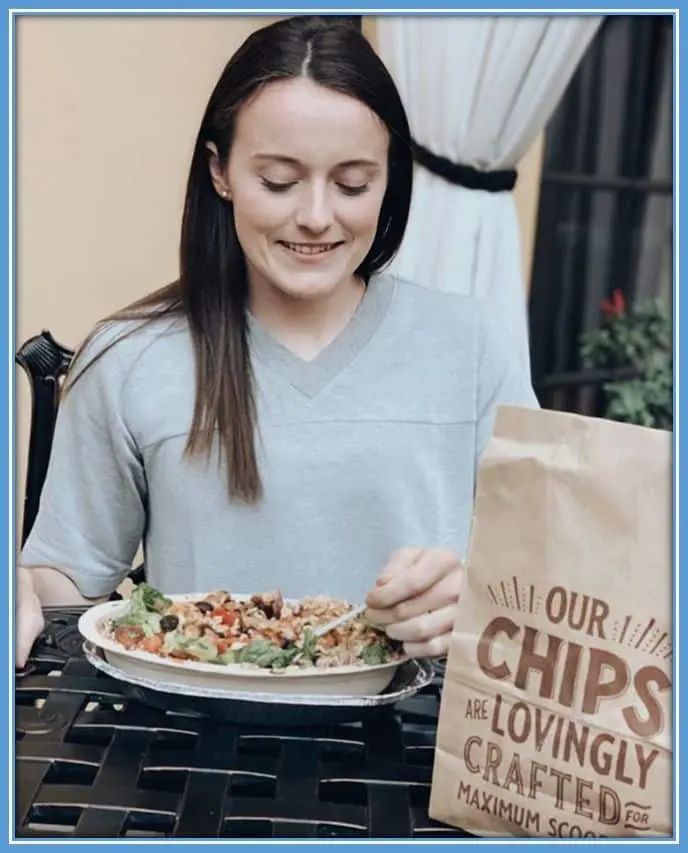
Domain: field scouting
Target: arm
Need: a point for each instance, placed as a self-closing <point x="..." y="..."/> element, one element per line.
<point x="53" y="587"/>
<point x="34" y="589"/>
<point x="92" y="512"/>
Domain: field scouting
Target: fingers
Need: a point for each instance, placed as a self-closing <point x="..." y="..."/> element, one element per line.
<point x="22" y="652"/>
<point x="29" y="619"/>
<point x="409" y="574"/>
<point x="415" y="599"/>
<point x="29" y="626"/>
<point x="422" y="628"/>
<point x="398" y="562"/>
<point x="445" y="592"/>
<point x="437" y="647"/>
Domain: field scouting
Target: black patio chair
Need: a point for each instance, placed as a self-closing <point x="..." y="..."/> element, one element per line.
<point x="45" y="363"/>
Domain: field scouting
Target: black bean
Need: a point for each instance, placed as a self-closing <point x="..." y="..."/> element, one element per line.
<point x="204" y="606"/>
<point x="169" y="622"/>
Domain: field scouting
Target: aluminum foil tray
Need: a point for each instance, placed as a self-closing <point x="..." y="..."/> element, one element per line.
<point x="264" y="708"/>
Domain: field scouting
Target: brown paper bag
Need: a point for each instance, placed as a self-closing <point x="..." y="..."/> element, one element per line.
<point x="555" y="717"/>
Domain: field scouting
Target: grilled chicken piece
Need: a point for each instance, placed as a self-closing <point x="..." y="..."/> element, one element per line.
<point x="270" y="603"/>
<point x="130" y="636"/>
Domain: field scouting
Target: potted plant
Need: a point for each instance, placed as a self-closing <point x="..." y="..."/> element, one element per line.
<point x="636" y="343"/>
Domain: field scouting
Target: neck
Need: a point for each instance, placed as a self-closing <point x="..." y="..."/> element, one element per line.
<point x="306" y="326"/>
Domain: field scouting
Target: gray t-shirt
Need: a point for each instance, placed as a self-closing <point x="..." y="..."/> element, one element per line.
<point x="370" y="447"/>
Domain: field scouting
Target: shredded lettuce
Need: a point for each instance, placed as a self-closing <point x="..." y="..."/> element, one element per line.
<point x="269" y="655"/>
<point x="374" y="654"/>
<point x="200" y="647"/>
<point x="266" y="654"/>
<point x="309" y="646"/>
<point x="152" y="625"/>
<point x="145" y="606"/>
<point x="150" y="598"/>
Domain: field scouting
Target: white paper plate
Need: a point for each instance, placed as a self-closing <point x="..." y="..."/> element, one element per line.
<point x="338" y="681"/>
<point x="412" y="676"/>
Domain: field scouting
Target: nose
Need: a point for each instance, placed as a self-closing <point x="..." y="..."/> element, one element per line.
<point x="314" y="213"/>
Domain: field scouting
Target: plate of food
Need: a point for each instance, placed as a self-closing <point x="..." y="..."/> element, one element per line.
<point x="247" y="643"/>
<point x="282" y="709"/>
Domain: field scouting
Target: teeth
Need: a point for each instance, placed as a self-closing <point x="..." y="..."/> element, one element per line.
<point x="305" y="249"/>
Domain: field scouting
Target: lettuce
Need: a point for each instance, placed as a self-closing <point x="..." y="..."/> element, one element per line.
<point x="200" y="647"/>
<point x="374" y="654"/>
<point x="266" y="654"/>
<point x="150" y="598"/>
<point x="145" y="606"/>
<point x="309" y="646"/>
<point x="269" y="655"/>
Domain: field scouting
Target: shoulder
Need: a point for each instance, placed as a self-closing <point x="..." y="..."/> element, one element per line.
<point x="113" y="349"/>
<point x="437" y="318"/>
<point x="426" y="303"/>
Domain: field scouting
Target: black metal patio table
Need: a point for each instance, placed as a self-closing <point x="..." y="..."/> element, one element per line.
<point x="93" y="762"/>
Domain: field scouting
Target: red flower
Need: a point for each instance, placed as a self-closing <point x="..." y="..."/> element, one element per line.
<point x="614" y="307"/>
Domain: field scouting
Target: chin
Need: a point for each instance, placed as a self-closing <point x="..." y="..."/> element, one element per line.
<point x="301" y="288"/>
<point x="310" y="284"/>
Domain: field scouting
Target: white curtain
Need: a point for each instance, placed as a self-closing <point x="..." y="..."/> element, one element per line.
<point x="478" y="90"/>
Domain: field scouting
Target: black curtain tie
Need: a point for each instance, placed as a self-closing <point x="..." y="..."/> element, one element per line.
<point x="463" y="176"/>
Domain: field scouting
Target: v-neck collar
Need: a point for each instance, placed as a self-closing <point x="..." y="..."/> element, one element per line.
<point x="309" y="377"/>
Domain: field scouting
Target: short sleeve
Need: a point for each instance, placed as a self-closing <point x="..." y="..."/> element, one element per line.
<point x="93" y="505"/>
<point x="503" y="379"/>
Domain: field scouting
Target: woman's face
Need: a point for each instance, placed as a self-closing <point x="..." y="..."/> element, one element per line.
<point x="307" y="174"/>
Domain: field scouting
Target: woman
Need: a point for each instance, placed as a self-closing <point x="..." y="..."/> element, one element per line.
<point x="285" y="414"/>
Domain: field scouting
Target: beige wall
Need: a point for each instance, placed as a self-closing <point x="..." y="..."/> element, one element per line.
<point x="107" y="114"/>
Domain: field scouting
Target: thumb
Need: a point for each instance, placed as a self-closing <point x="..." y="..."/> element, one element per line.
<point x="29" y="626"/>
<point x="22" y="651"/>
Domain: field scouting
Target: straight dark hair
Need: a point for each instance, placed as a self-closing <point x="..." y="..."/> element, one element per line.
<point x="212" y="289"/>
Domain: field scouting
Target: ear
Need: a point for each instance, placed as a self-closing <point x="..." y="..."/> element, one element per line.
<point x="217" y="176"/>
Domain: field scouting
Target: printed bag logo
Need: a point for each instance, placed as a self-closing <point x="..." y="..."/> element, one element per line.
<point x="582" y="768"/>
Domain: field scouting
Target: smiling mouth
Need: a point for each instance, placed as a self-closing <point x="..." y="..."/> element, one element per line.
<point x="309" y="248"/>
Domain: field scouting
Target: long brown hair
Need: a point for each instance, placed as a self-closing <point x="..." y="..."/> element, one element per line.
<point x="212" y="289"/>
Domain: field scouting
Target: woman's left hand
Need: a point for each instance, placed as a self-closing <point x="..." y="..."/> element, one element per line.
<point x="415" y="599"/>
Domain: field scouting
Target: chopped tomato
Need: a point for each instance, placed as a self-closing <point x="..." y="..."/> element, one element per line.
<point x="222" y="646"/>
<point x="227" y="617"/>
<point x="152" y="644"/>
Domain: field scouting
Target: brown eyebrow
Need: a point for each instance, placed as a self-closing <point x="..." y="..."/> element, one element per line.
<point x="292" y="161"/>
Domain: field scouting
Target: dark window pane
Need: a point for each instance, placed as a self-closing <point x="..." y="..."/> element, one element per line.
<point x="606" y="207"/>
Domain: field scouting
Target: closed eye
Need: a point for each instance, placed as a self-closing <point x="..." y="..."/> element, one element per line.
<point x="348" y="189"/>
<point x="283" y="186"/>
<point x="274" y="187"/>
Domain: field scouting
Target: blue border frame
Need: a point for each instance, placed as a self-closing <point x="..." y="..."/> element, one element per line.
<point x="8" y="379"/>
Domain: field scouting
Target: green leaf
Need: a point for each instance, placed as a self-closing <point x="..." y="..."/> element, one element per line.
<point x="200" y="647"/>
<point x="374" y="654"/>
<point x="230" y="656"/>
<point x="641" y="339"/>
<point x="144" y="609"/>
<point x="152" y="624"/>
<point x="266" y="654"/>
<point x="309" y="643"/>
<point x="151" y="598"/>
